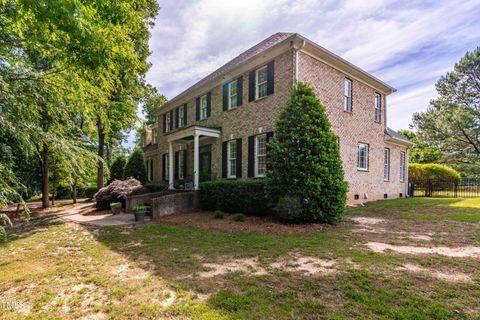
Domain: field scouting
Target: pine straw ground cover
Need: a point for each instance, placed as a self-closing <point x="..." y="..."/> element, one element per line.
<point x="398" y="259"/>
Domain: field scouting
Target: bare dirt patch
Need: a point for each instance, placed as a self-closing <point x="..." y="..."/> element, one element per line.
<point x="252" y="224"/>
<point x="367" y="220"/>
<point x="249" y="265"/>
<point x="451" y="276"/>
<point x="459" y="252"/>
<point x="309" y="265"/>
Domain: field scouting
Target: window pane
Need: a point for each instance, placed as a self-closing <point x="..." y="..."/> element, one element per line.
<point x="262" y="75"/>
<point x="262" y="90"/>
<point x="203" y="107"/>
<point x="260" y="155"/>
<point x="232" y="159"/>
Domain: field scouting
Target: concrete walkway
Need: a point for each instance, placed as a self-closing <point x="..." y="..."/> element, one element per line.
<point x="104" y="220"/>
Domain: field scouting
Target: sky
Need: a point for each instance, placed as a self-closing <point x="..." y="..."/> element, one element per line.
<point x="407" y="44"/>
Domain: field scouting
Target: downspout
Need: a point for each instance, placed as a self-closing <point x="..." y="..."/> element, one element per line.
<point x="406" y="172"/>
<point x="296" y="48"/>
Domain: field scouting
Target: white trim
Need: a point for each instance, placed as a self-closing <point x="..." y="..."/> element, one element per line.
<point x="366" y="156"/>
<point x="229" y="94"/>
<point x="181" y="164"/>
<point x="192" y="131"/>
<point x="256" y="155"/>
<point x="347" y="107"/>
<point x="257" y="84"/>
<point x="377" y="107"/>
<point x="230" y="159"/>
<point x="386" y="164"/>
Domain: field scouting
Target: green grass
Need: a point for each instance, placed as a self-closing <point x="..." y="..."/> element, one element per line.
<point x="58" y="270"/>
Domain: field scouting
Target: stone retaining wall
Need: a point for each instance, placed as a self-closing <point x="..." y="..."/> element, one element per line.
<point x="177" y="202"/>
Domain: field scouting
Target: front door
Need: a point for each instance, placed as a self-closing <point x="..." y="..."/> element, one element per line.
<point x="205" y="163"/>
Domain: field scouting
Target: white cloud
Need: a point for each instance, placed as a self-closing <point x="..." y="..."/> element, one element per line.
<point x="407" y="44"/>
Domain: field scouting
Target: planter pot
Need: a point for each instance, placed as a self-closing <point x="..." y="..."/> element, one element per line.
<point x="140" y="216"/>
<point x="116" y="210"/>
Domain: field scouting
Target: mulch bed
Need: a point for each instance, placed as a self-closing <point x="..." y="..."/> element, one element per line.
<point x="36" y="210"/>
<point x="252" y="224"/>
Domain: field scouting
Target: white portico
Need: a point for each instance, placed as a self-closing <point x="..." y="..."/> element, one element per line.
<point x="186" y="136"/>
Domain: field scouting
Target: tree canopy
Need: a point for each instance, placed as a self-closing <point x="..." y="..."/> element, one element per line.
<point x="451" y="123"/>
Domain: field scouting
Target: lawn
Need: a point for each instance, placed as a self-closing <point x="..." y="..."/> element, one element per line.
<point x="369" y="266"/>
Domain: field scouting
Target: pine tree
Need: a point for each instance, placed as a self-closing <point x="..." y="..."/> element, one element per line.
<point x="117" y="170"/>
<point x="136" y="166"/>
<point x="305" y="170"/>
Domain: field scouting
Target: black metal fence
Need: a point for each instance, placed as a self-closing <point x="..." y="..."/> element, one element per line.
<point x="465" y="188"/>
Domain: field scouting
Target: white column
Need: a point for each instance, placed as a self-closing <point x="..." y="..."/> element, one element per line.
<point x="170" y="165"/>
<point x="196" y="160"/>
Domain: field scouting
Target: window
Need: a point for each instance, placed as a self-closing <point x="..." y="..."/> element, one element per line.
<point x="166" y="168"/>
<point x="232" y="159"/>
<point x="260" y="155"/>
<point x="261" y="83"/>
<point x="402" y="166"/>
<point x="181" y="117"/>
<point x="232" y="94"/>
<point x="168" y="122"/>
<point x="386" y="164"/>
<point x="203" y="107"/>
<point x="378" y="107"/>
<point x="347" y="99"/>
<point x="155" y="135"/>
<point x="362" y="158"/>
<point x="150" y="170"/>
<point x="181" y="164"/>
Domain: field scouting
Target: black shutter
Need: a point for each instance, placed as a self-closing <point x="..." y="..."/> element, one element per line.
<point x="251" y="86"/>
<point x="176" y="117"/>
<point x="176" y="165"/>
<point x="164" y="122"/>
<point x="270" y="77"/>
<point x="240" y="91"/>
<point x="164" y="166"/>
<point x="184" y="164"/>
<point x="225" y="96"/>
<point x="269" y="139"/>
<point x="184" y="115"/>
<point x="224" y="159"/>
<point x="209" y="104"/>
<point x="239" y="158"/>
<point x="251" y="156"/>
<point x="151" y="169"/>
<point x="197" y="108"/>
<point x="171" y="120"/>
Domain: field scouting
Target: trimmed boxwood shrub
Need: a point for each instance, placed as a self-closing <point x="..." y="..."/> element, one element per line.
<point x="156" y="186"/>
<point x="246" y="195"/>
<point x="434" y="171"/>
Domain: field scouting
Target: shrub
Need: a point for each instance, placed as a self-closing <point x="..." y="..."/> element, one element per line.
<point x="238" y="217"/>
<point x="424" y="171"/>
<point x="218" y="214"/>
<point x="3" y="235"/>
<point x="289" y="207"/>
<point x="139" y="208"/>
<point x="115" y="204"/>
<point x="156" y="186"/>
<point x="304" y="160"/>
<point x="117" y="169"/>
<point x="136" y="166"/>
<point x="246" y="196"/>
<point x="117" y="191"/>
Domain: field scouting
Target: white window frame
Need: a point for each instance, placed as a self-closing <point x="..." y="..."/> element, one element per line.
<point x="258" y="84"/>
<point x="360" y="146"/>
<point x="181" y="116"/>
<point x="168" y="122"/>
<point x="181" y="163"/>
<point x="258" y="155"/>
<point x="402" y="165"/>
<point x="347" y="95"/>
<point x="203" y="107"/>
<point x="231" y="85"/>
<point x="231" y="170"/>
<point x="386" y="164"/>
<point x="378" y="107"/>
<point x="155" y="135"/>
<point x="167" y="167"/>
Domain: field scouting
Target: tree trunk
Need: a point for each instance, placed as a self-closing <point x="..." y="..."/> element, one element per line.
<point x="101" y="151"/>
<point x="74" y="191"/>
<point x="45" y="202"/>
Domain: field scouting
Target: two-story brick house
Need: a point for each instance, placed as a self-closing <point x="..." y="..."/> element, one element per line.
<point x="218" y="128"/>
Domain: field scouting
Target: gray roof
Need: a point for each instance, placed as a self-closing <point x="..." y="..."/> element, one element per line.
<point x="392" y="134"/>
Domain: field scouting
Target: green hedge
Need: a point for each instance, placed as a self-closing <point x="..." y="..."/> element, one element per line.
<point x="424" y="171"/>
<point x="246" y="196"/>
<point x="156" y="186"/>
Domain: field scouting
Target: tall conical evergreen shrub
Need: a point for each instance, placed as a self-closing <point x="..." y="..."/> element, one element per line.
<point x="136" y="166"/>
<point x="117" y="169"/>
<point x="305" y="171"/>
